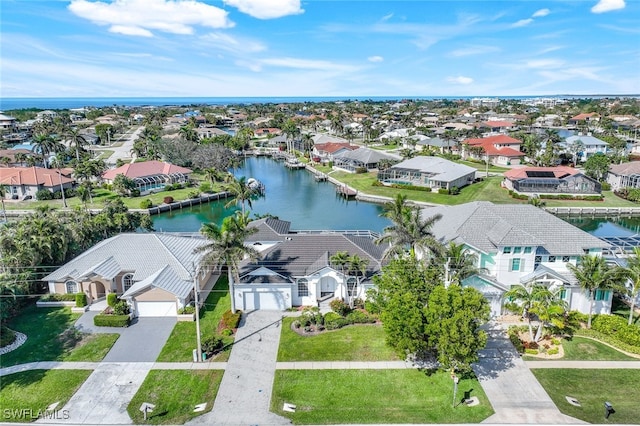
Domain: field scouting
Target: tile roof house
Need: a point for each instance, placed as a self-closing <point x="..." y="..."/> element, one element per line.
<point x="149" y="175"/>
<point x="499" y="149"/>
<point x="363" y="158"/>
<point x="431" y="172"/>
<point x="591" y="145"/>
<point x="295" y="268"/>
<point x="520" y="243"/>
<point x="625" y="175"/>
<point x="500" y="126"/>
<point x="24" y="182"/>
<point x="153" y="272"/>
<point x="584" y="118"/>
<point x="550" y="180"/>
<point x="328" y="151"/>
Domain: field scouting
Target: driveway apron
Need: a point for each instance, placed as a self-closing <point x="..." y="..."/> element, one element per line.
<point x="105" y="395"/>
<point x="244" y="396"/>
<point x="514" y="392"/>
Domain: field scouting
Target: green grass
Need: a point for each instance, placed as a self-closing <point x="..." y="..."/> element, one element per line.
<point x="610" y="200"/>
<point x="592" y="388"/>
<point x="622" y="309"/>
<point x="351" y="343"/>
<point x="182" y="342"/>
<point x="375" y="396"/>
<point x="93" y="348"/>
<point x="483" y="167"/>
<point x="23" y="395"/>
<point x="175" y="393"/>
<point x="583" y="349"/>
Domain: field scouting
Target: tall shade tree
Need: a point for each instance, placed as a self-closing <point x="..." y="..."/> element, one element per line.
<point x="226" y="246"/>
<point x="593" y="273"/>
<point x="632" y="274"/>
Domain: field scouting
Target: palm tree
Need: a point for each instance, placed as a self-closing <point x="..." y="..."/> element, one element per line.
<point x="76" y="140"/>
<point x="358" y="266"/>
<point x="226" y="247"/>
<point x="44" y="144"/>
<point x="593" y="273"/>
<point x="341" y="260"/>
<point x="241" y="191"/>
<point x="459" y="262"/>
<point x="524" y="297"/>
<point x="550" y="309"/>
<point x="632" y="273"/>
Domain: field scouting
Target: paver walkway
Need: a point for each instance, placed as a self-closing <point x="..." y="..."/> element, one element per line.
<point x="514" y="392"/>
<point x="244" y="396"/>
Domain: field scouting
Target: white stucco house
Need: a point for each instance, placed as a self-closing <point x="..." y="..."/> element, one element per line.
<point x="520" y="244"/>
<point x="431" y="172"/>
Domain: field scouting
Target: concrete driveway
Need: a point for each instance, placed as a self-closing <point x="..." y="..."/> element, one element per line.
<point x="142" y="341"/>
<point x="244" y="396"/>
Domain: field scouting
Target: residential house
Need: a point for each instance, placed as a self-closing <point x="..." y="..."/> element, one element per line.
<point x="25" y="182"/>
<point x="590" y="145"/>
<point x="155" y="273"/>
<point x="363" y="158"/>
<point x="625" y="175"/>
<point x="265" y="132"/>
<point x="550" y="180"/>
<point x="431" y="172"/>
<point x="497" y="149"/>
<point x="295" y="268"/>
<point x="206" y="132"/>
<point x="520" y="244"/>
<point x="584" y="118"/>
<point x="7" y="123"/>
<point x="330" y="150"/>
<point x="496" y="126"/>
<point x="150" y="175"/>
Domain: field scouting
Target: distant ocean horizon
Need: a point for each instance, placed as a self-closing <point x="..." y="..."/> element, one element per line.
<point x="7" y="104"/>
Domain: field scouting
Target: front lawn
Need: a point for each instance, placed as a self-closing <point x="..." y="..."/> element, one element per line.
<point x="583" y="349"/>
<point x="375" y="396"/>
<point x="175" y="393"/>
<point x="25" y="395"/>
<point x="592" y="388"/>
<point x="182" y="342"/>
<point x="44" y="328"/>
<point x="350" y="343"/>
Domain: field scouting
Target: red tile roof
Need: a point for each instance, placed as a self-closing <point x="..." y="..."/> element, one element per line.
<point x="558" y="172"/>
<point x="146" y="168"/>
<point x="332" y="147"/>
<point x="583" y="116"/>
<point x="32" y="176"/>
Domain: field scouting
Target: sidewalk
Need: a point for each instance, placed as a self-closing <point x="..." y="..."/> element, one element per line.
<point x="585" y="365"/>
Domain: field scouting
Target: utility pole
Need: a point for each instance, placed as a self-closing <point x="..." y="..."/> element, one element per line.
<point x="195" y="295"/>
<point x="446" y="273"/>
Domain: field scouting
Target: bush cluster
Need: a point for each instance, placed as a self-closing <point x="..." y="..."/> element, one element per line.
<point x="7" y="336"/>
<point x="631" y="194"/>
<point x="112" y="299"/>
<point x="230" y="320"/>
<point x="54" y="297"/>
<point x="211" y="345"/>
<point x="515" y="338"/>
<point x="146" y="204"/>
<point x="618" y="328"/>
<point x="81" y="300"/>
<point x="111" y="320"/>
<point x="340" y="307"/>
<point x="518" y="196"/>
<point x="121" y="308"/>
<point x="187" y="310"/>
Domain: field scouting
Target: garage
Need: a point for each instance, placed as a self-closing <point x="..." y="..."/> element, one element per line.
<point x="156" y="309"/>
<point x="265" y="300"/>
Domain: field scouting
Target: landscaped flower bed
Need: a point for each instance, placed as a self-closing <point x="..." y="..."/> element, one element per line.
<point x="312" y="322"/>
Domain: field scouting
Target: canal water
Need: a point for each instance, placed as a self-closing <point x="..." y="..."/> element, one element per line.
<point x="295" y="196"/>
<point x="292" y="195"/>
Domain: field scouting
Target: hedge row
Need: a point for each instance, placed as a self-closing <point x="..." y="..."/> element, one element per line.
<point x="54" y="297"/>
<point x="519" y="196"/>
<point x="618" y="328"/>
<point x="111" y="320"/>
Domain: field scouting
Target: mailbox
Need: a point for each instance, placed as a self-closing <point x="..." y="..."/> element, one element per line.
<point x="608" y="409"/>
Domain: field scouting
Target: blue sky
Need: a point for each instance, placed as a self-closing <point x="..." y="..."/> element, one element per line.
<point x="129" y="48"/>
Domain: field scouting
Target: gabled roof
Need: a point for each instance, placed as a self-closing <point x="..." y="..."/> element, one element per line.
<point x="144" y="255"/>
<point x="487" y="227"/>
<point x="332" y="147"/>
<point x="626" y="169"/>
<point x="145" y="168"/>
<point x="165" y="279"/>
<point x="33" y="176"/>
<point x="489" y="145"/>
<point x="586" y="140"/>
<point x="269" y="230"/>
<point x="368" y="156"/>
<point x="584" y="116"/>
<point x="543" y="271"/>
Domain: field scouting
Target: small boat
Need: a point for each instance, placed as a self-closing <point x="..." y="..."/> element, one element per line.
<point x="256" y="185"/>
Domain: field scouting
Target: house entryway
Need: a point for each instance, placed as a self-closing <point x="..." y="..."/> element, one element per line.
<point x="328" y="287"/>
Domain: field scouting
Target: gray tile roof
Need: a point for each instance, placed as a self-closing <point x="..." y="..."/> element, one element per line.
<point x="144" y="254"/>
<point x="626" y="169"/>
<point x="369" y="156"/>
<point x="442" y="169"/>
<point x="269" y="229"/>
<point x="487" y="226"/>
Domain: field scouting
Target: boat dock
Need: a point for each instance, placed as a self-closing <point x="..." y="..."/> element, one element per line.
<point x="345" y="191"/>
<point x="594" y="211"/>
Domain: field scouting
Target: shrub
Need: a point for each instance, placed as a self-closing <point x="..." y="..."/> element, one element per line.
<point x="54" y="297"/>
<point x="531" y="351"/>
<point x="359" y="317"/>
<point x="187" y="310"/>
<point x="121" y="308"/>
<point x="167" y="200"/>
<point x="338" y="306"/>
<point x="360" y="170"/>
<point x="211" y="345"/>
<point x="296" y="324"/>
<point x="230" y="320"/>
<point x="134" y="192"/>
<point x="606" y="186"/>
<point x="81" y="300"/>
<point x="454" y="190"/>
<point x="555" y="341"/>
<point x="193" y="194"/>
<point x="7" y="336"/>
<point x="227" y="332"/>
<point x="112" y="299"/>
<point x="145" y="204"/>
<point x="515" y="339"/>
<point x="443" y="191"/>
<point x="111" y="320"/>
<point x="335" y="324"/>
<point x="44" y="194"/>
<point x="617" y="328"/>
<point x="553" y="351"/>
<point x="358" y="303"/>
<point x="205" y="187"/>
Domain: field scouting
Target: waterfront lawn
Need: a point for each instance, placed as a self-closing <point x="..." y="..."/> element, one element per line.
<point x="350" y="343"/>
<point x="43" y="327"/>
<point x="610" y="200"/>
<point x="25" y="394"/>
<point x="592" y="388"/>
<point x="175" y="393"/>
<point x="375" y="396"/>
<point x="182" y="342"/>
<point x="483" y="167"/>
<point x="583" y="349"/>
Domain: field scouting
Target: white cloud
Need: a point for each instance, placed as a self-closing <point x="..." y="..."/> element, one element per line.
<point x="522" y="23"/>
<point x="375" y="59"/>
<point x="473" y="50"/>
<point x="608" y="5"/>
<point x="141" y="17"/>
<point x="267" y="9"/>
<point x="307" y="64"/>
<point x="387" y="17"/>
<point x="540" y="13"/>
<point x="460" y="80"/>
<point x="544" y="63"/>
<point x="232" y="44"/>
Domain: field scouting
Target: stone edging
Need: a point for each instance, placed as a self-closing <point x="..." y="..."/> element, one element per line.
<point x="20" y="339"/>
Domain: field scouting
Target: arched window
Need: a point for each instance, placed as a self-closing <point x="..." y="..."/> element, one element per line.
<point x="303" y="287"/>
<point x="127" y="282"/>
<point x="72" y="286"/>
<point x="352" y="286"/>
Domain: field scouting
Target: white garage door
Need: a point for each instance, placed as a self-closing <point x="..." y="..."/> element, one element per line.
<point x="265" y="300"/>
<point x="156" y="309"/>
